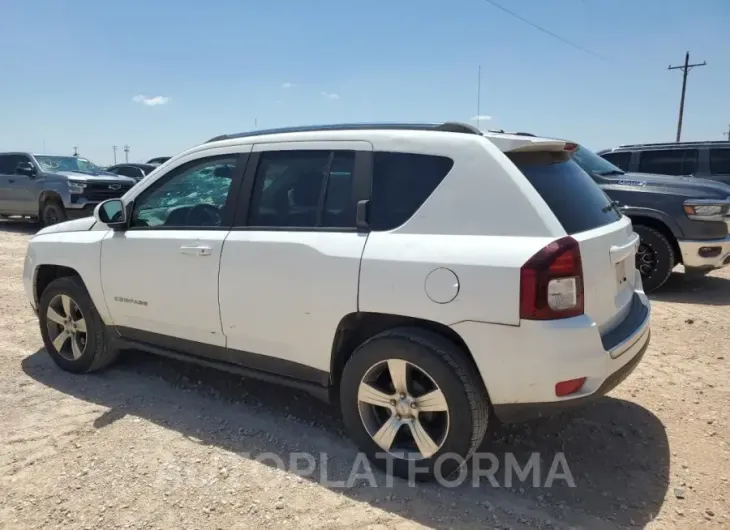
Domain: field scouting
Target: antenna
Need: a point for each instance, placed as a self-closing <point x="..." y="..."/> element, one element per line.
<point x="479" y="98"/>
<point x="76" y="151"/>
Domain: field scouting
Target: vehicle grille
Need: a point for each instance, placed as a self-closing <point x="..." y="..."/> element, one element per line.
<point x="100" y="191"/>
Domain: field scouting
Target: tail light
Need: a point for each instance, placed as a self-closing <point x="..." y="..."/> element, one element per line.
<point x="551" y="282"/>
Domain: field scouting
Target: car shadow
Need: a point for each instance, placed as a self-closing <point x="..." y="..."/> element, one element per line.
<point x="614" y="468"/>
<point x="19" y="226"/>
<point x="687" y="289"/>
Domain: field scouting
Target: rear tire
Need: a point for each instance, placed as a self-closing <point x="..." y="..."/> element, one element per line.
<point x="52" y="212"/>
<point x="433" y="366"/>
<point x="655" y="259"/>
<point x="66" y="302"/>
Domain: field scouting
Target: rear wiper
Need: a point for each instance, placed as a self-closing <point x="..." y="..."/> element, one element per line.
<point x="610" y="172"/>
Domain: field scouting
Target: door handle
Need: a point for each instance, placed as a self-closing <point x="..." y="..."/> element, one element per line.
<point x="11" y="180"/>
<point x="196" y="251"/>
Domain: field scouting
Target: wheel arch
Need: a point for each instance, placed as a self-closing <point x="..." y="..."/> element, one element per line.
<point x="659" y="226"/>
<point x="48" y="195"/>
<point x="356" y="328"/>
<point x="45" y="274"/>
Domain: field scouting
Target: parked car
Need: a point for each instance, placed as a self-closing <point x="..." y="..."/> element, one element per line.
<point x="159" y="160"/>
<point x="427" y="277"/>
<point x="709" y="160"/>
<point x="680" y="220"/>
<point x="54" y="188"/>
<point x="135" y="171"/>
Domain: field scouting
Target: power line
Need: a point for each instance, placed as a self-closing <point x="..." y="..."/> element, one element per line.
<point x="547" y="31"/>
<point x="686" y="67"/>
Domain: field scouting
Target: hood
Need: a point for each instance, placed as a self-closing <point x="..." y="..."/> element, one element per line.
<point x="99" y="177"/>
<point x="76" y="225"/>
<point x="692" y="187"/>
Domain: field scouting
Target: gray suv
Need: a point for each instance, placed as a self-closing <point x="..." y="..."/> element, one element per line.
<point x="708" y="160"/>
<point x="55" y="188"/>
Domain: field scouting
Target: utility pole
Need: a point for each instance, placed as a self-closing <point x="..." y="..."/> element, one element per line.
<point x="685" y="70"/>
<point x="114" y="149"/>
<point x="727" y="133"/>
<point x="126" y="154"/>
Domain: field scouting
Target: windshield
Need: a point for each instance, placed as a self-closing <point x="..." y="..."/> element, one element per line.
<point x="67" y="163"/>
<point x="591" y="163"/>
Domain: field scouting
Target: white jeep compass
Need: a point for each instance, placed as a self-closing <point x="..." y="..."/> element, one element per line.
<point x="427" y="277"/>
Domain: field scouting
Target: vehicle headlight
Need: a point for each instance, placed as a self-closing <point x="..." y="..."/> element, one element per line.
<point x="76" y="187"/>
<point x="706" y="210"/>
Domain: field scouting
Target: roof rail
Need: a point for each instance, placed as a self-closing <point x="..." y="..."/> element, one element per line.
<point x="449" y="126"/>
<point x="675" y="144"/>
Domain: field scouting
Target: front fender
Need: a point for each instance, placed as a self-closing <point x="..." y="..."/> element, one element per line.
<point x="673" y="225"/>
<point x="78" y="250"/>
<point x="56" y="189"/>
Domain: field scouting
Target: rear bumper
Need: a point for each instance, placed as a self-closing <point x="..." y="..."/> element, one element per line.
<point x="705" y="255"/>
<point x="521" y="365"/>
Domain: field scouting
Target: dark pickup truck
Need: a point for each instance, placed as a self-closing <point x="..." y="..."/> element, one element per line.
<point x="55" y="188"/>
<point x="680" y="220"/>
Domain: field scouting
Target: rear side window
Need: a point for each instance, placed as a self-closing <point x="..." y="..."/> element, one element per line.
<point x="621" y="160"/>
<point x="669" y="161"/>
<point x="720" y="161"/>
<point x="5" y="165"/>
<point x="573" y="196"/>
<point x="401" y="184"/>
<point x="304" y="189"/>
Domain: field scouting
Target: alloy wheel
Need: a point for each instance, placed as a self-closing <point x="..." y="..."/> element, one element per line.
<point x="646" y="259"/>
<point x="66" y="327"/>
<point x="51" y="216"/>
<point x="403" y="409"/>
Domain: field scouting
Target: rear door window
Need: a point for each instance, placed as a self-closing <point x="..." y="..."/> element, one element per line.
<point x="621" y="160"/>
<point x="572" y="195"/>
<point x="719" y="161"/>
<point x="669" y="161"/>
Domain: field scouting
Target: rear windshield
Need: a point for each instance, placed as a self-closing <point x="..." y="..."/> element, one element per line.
<point x="573" y="196"/>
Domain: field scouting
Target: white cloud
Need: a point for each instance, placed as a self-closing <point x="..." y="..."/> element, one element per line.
<point x="288" y="85"/>
<point x="151" y="101"/>
<point x="481" y="117"/>
<point x="331" y="95"/>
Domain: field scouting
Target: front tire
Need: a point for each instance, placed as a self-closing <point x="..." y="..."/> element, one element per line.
<point x="52" y="212"/>
<point x="413" y="403"/>
<point x="655" y="258"/>
<point x="73" y="333"/>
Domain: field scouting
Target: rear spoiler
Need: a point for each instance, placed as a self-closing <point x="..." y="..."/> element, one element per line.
<point x="522" y="144"/>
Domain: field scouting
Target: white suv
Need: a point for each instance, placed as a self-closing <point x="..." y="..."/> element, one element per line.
<point x="429" y="278"/>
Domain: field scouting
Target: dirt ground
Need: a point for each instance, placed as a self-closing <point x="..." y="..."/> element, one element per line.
<point x="152" y="443"/>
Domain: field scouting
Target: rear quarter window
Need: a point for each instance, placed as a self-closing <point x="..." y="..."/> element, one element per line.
<point x="572" y="195"/>
<point x="720" y="161"/>
<point x="621" y="160"/>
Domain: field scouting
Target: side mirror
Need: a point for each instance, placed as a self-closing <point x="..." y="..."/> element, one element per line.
<point x="25" y="168"/>
<point x="112" y="213"/>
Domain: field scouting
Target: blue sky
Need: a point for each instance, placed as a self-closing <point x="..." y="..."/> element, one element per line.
<point x="82" y="72"/>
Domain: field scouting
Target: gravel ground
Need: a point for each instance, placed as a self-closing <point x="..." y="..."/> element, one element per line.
<point x="152" y="443"/>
